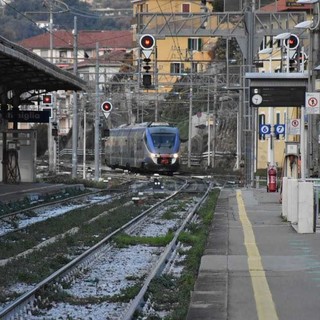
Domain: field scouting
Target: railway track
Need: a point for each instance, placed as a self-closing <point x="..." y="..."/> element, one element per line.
<point x="38" y="302"/>
<point x="18" y="219"/>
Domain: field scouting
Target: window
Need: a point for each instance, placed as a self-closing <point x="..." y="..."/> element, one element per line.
<point x="186" y="7"/>
<point x="195" y="44"/>
<point x="176" y="68"/>
<point x="63" y="56"/>
<point x="194" y="67"/>
<point x="45" y="54"/>
<point x="142" y="8"/>
<point x="262" y="120"/>
<point x="267" y="42"/>
<point x="163" y="140"/>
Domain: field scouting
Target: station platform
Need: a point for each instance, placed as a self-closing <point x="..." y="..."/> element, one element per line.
<point x="255" y="265"/>
<point x="17" y="192"/>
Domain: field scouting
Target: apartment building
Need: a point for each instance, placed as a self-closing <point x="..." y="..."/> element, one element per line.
<point x="175" y="55"/>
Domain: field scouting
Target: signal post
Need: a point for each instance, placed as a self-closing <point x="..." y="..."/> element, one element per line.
<point x="147" y="43"/>
<point x="106" y="108"/>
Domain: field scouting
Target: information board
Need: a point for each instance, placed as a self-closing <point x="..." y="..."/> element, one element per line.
<point x="277" y="96"/>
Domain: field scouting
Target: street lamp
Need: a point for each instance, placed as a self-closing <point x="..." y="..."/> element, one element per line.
<point x="283" y="36"/>
<point x="304" y="24"/>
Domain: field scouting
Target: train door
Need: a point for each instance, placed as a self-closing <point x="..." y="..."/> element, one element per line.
<point x="130" y="151"/>
<point x="135" y="147"/>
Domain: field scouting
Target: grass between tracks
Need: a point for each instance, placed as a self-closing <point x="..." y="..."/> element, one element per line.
<point x="28" y="270"/>
<point x="170" y="294"/>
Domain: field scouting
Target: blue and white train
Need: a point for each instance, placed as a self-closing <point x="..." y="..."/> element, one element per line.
<point x="146" y="147"/>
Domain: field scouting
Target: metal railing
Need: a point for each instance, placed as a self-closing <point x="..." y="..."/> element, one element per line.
<point x="89" y="152"/>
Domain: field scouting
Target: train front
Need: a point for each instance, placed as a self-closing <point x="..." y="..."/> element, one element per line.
<point x="163" y="144"/>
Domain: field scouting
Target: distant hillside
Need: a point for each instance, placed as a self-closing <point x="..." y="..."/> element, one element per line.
<point x="112" y="3"/>
<point x="19" y="18"/>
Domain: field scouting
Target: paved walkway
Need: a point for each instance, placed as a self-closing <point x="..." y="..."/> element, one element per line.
<point x="255" y="265"/>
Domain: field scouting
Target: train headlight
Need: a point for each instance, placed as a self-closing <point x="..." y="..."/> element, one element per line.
<point x="155" y="155"/>
<point x="175" y="155"/>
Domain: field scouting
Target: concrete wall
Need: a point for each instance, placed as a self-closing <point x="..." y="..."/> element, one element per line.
<point x="298" y="204"/>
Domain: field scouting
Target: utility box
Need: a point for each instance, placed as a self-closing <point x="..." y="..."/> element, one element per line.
<point x="21" y="153"/>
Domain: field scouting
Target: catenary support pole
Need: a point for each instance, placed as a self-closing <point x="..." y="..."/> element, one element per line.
<point x="97" y="122"/>
<point x="75" y="107"/>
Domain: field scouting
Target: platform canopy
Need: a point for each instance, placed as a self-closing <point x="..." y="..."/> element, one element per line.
<point x="21" y="71"/>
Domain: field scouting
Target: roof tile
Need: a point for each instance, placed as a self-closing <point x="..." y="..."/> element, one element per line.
<point x="117" y="39"/>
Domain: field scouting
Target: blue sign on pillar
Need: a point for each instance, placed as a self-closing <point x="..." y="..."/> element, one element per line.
<point x="265" y="129"/>
<point x="280" y="128"/>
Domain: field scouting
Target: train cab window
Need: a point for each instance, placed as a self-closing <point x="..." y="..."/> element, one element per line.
<point x="163" y="140"/>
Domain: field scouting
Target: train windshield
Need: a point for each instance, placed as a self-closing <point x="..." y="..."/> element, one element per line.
<point x="163" y="139"/>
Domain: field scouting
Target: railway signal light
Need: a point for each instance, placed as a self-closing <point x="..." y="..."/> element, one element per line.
<point x="292" y="65"/>
<point x="147" y="67"/>
<point x="147" y="42"/>
<point x="55" y="130"/>
<point x="47" y="99"/>
<point x="146" y="77"/>
<point x="147" y="80"/>
<point x="106" y="108"/>
<point x="292" y="42"/>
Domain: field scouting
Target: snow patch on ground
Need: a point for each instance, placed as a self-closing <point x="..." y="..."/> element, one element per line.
<point x="44" y="214"/>
<point x="114" y="270"/>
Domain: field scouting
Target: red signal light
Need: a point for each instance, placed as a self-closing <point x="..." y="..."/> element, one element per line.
<point x="147" y="42"/>
<point x="47" y="99"/>
<point x="293" y="42"/>
<point x="106" y="106"/>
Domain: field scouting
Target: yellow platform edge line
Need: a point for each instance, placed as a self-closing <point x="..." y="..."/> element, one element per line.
<point x="264" y="303"/>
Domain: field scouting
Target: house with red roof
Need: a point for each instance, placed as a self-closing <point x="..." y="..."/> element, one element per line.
<point x="113" y="49"/>
<point x="58" y="47"/>
<point x="285" y="5"/>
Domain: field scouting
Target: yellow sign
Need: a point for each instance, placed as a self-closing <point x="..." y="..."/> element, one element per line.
<point x="293" y="3"/>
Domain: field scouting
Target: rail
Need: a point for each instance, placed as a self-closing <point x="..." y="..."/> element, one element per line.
<point x="25" y="302"/>
<point x="89" y="152"/>
<point x="138" y="301"/>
